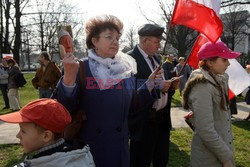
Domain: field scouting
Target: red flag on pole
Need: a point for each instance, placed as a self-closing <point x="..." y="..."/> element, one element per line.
<point x="193" y="59"/>
<point x="199" y="17"/>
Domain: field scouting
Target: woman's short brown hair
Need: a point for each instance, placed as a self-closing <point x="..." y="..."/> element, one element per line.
<point x="98" y="24"/>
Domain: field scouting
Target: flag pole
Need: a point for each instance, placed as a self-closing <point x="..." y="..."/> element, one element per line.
<point x="167" y="35"/>
<point x="185" y="63"/>
<point x="169" y="27"/>
<point x="168" y="30"/>
<point x="182" y="68"/>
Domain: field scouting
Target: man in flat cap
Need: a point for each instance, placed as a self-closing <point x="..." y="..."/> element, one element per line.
<point x="150" y="129"/>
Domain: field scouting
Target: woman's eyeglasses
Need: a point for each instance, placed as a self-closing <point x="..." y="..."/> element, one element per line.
<point x="111" y="38"/>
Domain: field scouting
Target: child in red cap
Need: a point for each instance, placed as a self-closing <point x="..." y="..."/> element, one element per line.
<point x="206" y="95"/>
<point x="42" y="123"/>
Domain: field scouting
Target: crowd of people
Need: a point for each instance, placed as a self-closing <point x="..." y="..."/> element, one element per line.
<point x="125" y="99"/>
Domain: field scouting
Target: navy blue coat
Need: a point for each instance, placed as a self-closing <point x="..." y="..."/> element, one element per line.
<point x="106" y="129"/>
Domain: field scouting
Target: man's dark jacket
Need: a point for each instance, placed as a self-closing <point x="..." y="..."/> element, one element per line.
<point x="138" y="121"/>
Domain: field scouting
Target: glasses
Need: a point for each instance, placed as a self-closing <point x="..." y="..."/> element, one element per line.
<point x="111" y="38"/>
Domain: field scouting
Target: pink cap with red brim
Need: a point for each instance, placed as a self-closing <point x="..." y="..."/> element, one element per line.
<point x="210" y="50"/>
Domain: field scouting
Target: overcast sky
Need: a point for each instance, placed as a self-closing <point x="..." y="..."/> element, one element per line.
<point x="127" y="11"/>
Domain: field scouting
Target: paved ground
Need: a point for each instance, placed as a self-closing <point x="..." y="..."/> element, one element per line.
<point x="177" y="114"/>
<point x="8" y="131"/>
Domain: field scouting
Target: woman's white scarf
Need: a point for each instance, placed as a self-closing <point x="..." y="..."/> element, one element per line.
<point x="109" y="71"/>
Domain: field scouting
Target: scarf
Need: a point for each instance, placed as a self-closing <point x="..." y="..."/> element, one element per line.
<point x="110" y="71"/>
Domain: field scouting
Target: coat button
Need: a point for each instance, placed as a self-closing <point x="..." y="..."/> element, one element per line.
<point x="230" y="143"/>
<point x="118" y="129"/>
<point x="98" y="130"/>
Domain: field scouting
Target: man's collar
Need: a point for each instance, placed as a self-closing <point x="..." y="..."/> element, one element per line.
<point x="144" y="54"/>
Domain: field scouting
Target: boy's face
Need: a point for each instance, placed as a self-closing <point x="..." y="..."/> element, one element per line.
<point x="31" y="138"/>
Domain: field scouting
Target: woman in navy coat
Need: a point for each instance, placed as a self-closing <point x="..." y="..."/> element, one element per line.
<point x="109" y="94"/>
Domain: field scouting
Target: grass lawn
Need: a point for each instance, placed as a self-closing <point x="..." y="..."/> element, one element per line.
<point x="181" y="142"/>
<point x="27" y="93"/>
<point x="179" y="147"/>
<point x="177" y="99"/>
<point x="180" y="138"/>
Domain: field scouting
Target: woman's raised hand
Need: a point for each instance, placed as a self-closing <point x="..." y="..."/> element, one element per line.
<point x="71" y="67"/>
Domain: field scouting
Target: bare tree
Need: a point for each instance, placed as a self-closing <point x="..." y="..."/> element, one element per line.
<point x="39" y="26"/>
<point x="226" y="3"/>
<point x="130" y="37"/>
<point x="41" y="23"/>
<point x="235" y="26"/>
<point x="17" y="27"/>
<point x="1" y="27"/>
<point x="179" y="37"/>
<point x="6" y="47"/>
<point x="49" y="14"/>
<point x="13" y="12"/>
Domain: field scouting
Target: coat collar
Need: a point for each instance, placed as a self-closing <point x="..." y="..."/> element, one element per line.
<point x="142" y="65"/>
<point x="222" y="79"/>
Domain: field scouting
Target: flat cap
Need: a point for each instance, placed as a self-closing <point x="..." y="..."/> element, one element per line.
<point x="151" y="30"/>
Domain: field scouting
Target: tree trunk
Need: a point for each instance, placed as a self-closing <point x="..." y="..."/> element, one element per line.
<point x="6" y="44"/>
<point x="42" y="33"/>
<point x="1" y="28"/>
<point x="17" y="42"/>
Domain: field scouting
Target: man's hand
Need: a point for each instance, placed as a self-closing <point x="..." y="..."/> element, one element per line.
<point x="175" y="82"/>
<point x="154" y="79"/>
<point x="165" y="85"/>
<point x="71" y="67"/>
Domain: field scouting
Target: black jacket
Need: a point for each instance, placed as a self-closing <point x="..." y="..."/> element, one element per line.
<point x="138" y="121"/>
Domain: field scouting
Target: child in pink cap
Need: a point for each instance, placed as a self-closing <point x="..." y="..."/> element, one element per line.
<point x="206" y="95"/>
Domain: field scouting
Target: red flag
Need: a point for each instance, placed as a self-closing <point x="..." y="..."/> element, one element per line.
<point x="230" y="94"/>
<point x="199" y="17"/>
<point x="193" y="59"/>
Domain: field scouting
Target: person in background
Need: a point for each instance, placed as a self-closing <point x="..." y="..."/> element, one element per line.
<point x="47" y="76"/>
<point x="168" y="66"/>
<point x="206" y="94"/>
<point x="150" y="128"/>
<point x="247" y="99"/>
<point x="13" y="93"/>
<point x="186" y="73"/>
<point x="4" y="69"/>
<point x="175" y="60"/>
<point x="41" y="138"/>
<point x="109" y="92"/>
